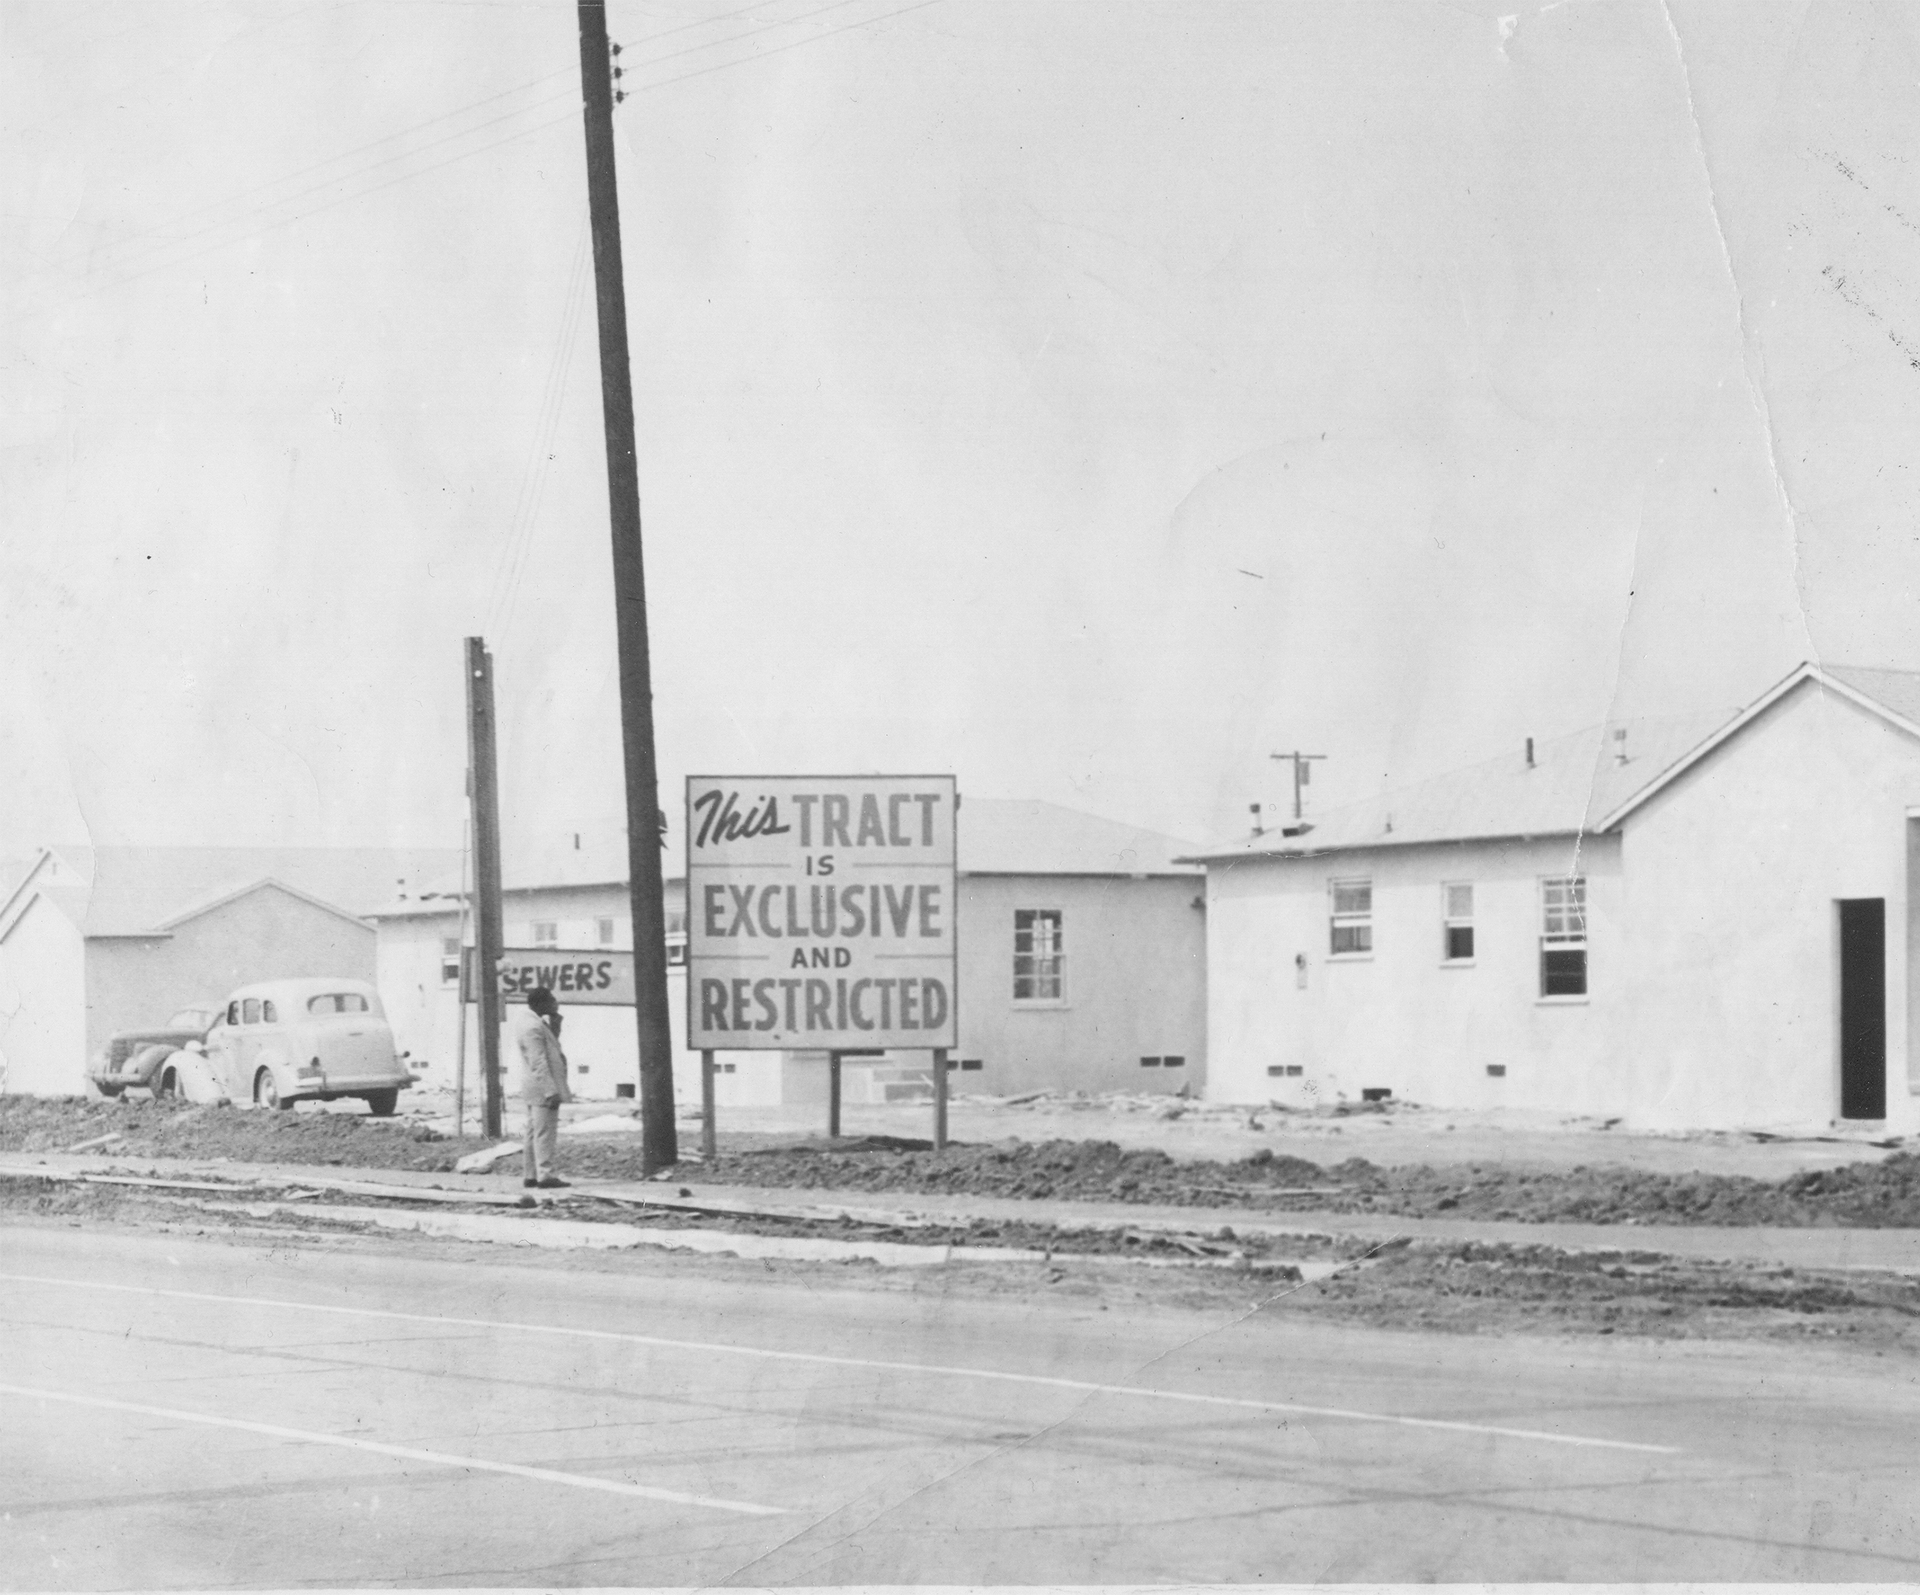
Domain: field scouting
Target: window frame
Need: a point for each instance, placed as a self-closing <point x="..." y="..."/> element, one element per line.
<point x="545" y="932"/>
<point x="452" y="955"/>
<point x="603" y="928"/>
<point x="1350" y="920"/>
<point x="1576" y="907"/>
<point x="1451" y="921"/>
<point x="1056" y="918"/>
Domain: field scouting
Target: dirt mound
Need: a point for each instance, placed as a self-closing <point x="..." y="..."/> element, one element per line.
<point x="1075" y="1170"/>
<point x="169" y="1128"/>
<point x="1478" y="1288"/>
<point x="1857" y="1195"/>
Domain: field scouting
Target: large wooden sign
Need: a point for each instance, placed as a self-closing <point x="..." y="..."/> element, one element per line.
<point x="820" y="912"/>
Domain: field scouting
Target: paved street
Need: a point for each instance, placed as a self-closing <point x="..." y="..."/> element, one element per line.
<point x="193" y="1413"/>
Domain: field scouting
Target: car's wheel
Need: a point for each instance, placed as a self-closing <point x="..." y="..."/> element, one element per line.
<point x="383" y="1102"/>
<point x="169" y="1084"/>
<point x="266" y="1092"/>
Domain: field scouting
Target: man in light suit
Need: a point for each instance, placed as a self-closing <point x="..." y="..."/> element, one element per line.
<point x="543" y="1085"/>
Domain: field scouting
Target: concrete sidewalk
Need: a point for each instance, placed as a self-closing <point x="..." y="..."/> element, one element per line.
<point x="1894" y="1250"/>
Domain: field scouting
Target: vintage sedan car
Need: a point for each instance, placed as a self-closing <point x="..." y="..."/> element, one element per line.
<point x="284" y="1041"/>
<point x="132" y="1059"/>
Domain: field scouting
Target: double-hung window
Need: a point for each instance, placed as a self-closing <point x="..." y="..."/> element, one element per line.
<point x="1039" y="955"/>
<point x="1457" y="924"/>
<point x="1352" y="917"/>
<point x="1563" y="936"/>
<point x="449" y="960"/>
<point x="546" y="933"/>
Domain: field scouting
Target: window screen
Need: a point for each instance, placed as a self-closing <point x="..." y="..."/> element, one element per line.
<point x="1457" y="928"/>
<point x="1039" y="958"/>
<point x="1352" y="921"/>
<point x="1563" y="936"/>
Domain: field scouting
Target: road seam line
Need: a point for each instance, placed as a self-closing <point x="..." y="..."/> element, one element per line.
<point x="1244" y="1403"/>
<point x="580" y="1481"/>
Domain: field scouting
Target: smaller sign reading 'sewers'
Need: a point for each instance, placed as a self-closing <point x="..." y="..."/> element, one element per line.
<point x="820" y="912"/>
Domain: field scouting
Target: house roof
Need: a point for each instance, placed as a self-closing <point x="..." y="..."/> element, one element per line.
<point x="1576" y="784"/>
<point x="1891" y="695"/>
<point x="135" y="891"/>
<point x="1023" y="836"/>
<point x="997" y="836"/>
<point x="24" y="881"/>
<point x="1573" y="781"/>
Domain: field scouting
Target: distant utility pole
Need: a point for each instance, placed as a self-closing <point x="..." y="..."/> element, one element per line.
<point x="483" y="790"/>
<point x="1302" y="774"/>
<point x="658" y="1146"/>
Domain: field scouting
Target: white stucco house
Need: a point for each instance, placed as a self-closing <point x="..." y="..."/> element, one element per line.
<point x="1678" y="924"/>
<point x="94" y="940"/>
<point x="1081" y="947"/>
<point x="567" y="896"/>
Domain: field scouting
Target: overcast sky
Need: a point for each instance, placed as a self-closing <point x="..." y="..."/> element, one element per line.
<point x="1087" y="399"/>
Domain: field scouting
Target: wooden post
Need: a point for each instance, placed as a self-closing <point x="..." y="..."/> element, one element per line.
<point x="659" y="1147"/>
<point x="833" y="1096"/>
<point x="483" y="752"/>
<point x="709" y="1138"/>
<point x="939" y="1099"/>
<point x="460" y="993"/>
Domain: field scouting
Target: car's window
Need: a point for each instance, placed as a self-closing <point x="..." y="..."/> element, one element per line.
<point x="337" y="1002"/>
<point x="233" y="1013"/>
<point x="267" y="1015"/>
<point x="250" y="1011"/>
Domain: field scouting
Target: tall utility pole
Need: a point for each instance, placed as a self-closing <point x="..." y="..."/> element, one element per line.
<point x="483" y="789"/>
<point x="657" y="1142"/>
<point x="1302" y="774"/>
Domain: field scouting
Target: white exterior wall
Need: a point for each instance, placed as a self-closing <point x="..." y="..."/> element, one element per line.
<point x="1713" y="949"/>
<point x="1402" y="1018"/>
<point x="1733" y="876"/>
<point x="43" y="1004"/>
<point x="601" y="1041"/>
<point x="1135" y="979"/>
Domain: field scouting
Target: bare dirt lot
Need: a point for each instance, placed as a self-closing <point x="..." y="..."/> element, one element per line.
<point x="1862" y="1194"/>
<point x="1457" y="1288"/>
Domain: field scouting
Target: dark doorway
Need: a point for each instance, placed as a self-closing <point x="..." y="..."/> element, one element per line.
<point x="1863" y="1008"/>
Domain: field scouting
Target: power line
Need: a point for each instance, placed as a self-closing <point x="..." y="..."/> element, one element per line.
<point x="110" y="265"/>
<point x="288" y="221"/>
<point x="344" y="155"/>
<point x="786" y="22"/>
<point x="334" y="182"/>
<point x="171" y="260"/>
<point x="780" y="49"/>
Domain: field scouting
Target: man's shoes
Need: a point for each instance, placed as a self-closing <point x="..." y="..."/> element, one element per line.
<point x="550" y="1184"/>
<point x="529" y="1184"/>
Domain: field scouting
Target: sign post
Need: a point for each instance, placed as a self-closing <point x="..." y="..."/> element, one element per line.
<point x="709" y="1137"/>
<point x="940" y="1100"/>
<point x="821" y="915"/>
